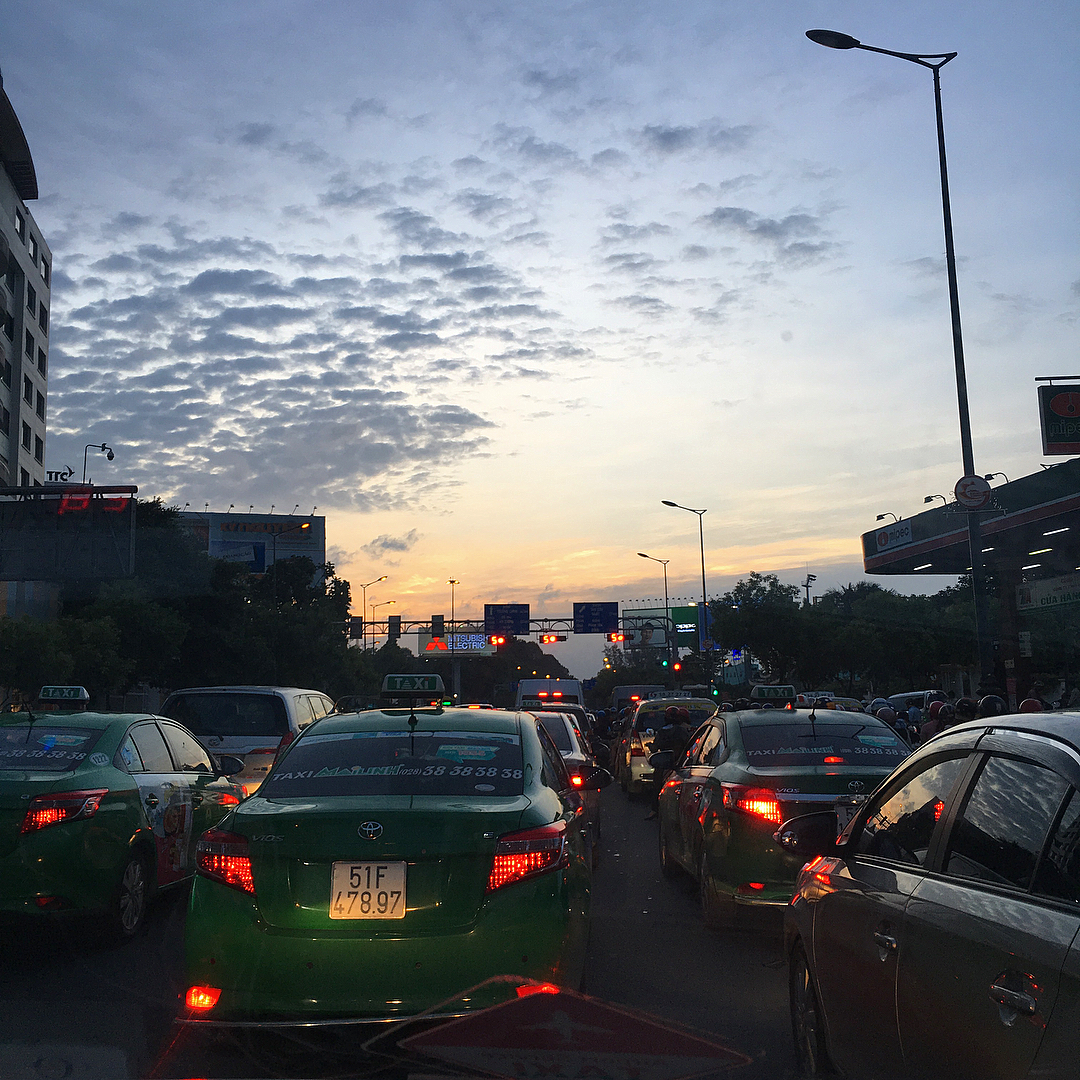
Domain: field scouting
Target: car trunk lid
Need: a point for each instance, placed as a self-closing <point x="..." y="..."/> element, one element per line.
<point x="447" y="844"/>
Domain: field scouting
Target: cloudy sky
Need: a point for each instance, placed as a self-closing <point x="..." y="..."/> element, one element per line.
<point x="485" y="281"/>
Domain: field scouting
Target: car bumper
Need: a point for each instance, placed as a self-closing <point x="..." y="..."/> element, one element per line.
<point x="270" y="975"/>
<point x="641" y="774"/>
<point x="747" y="864"/>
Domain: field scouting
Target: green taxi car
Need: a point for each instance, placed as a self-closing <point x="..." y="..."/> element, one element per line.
<point x="392" y="859"/>
<point x="742" y="776"/>
<point x="98" y="810"/>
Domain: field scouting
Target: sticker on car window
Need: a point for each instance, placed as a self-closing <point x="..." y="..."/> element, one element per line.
<point x="99" y="759"/>
<point x="461" y="754"/>
<point x="876" y="740"/>
<point x="49" y="741"/>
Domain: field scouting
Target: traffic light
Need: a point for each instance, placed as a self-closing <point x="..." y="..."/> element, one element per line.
<point x="665" y="663"/>
<point x="550" y="639"/>
<point x="497" y="640"/>
<point x="393" y="629"/>
<point x="437" y="626"/>
<point x="676" y="666"/>
<point x="617" y="636"/>
<point x="716" y="691"/>
<point x="356" y="627"/>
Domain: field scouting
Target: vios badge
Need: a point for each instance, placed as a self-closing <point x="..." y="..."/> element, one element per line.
<point x="856" y="786"/>
<point x="370" y="830"/>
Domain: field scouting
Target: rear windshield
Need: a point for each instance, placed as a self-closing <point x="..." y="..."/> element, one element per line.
<point x="652" y="716"/>
<point x="470" y="763"/>
<point x="229" y="715"/>
<point x="37" y="748"/>
<point x="555" y="726"/>
<point x="802" y="744"/>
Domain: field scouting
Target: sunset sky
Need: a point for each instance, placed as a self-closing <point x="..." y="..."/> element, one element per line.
<point x="486" y="281"/>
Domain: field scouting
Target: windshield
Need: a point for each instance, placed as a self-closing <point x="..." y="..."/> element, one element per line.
<point x="480" y="764"/>
<point x="230" y="715"/>
<point x="654" y="716"/>
<point x="555" y="726"/>
<point x="783" y="745"/>
<point x="38" y="748"/>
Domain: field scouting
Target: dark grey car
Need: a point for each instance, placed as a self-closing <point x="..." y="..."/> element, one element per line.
<point x="937" y="937"/>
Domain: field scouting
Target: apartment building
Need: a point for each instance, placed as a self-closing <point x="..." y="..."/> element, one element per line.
<point x="26" y="269"/>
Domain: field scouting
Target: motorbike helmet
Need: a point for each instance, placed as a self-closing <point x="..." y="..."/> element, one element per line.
<point x="887" y="714"/>
<point x="992" y="705"/>
<point x="966" y="709"/>
<point x="935" y="708"/>
<point x="1031" y="705"/>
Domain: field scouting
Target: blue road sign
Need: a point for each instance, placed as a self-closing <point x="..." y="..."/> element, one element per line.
<point x="596" y="618"/>
<point x="506" y="618"/>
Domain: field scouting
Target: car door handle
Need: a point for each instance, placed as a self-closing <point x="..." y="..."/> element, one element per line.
<point x="885" y="941"/>
<point x="151" y="800"/>
<point x="1013" y="999"/>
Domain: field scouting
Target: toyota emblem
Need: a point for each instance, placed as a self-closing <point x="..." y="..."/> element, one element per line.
<point x="855" y="785"/>
<point x="372" y="830"/>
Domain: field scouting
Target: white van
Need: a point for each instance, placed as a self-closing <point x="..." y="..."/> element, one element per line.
<point x="546" y="693"/>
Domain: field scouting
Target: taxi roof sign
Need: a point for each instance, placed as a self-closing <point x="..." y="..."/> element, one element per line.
<point x="420" y="686"/>
<point x="63" y="693"/>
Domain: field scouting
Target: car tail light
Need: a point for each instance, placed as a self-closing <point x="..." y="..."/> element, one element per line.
<point x="760" y="802"/>
<point x="537" y="988"/>
<point x="636" y="749"/>
<point x="228" y="799"/>
<point x="286" y="739"/>
<point x="526" y="854"/>
<point x="46" y="810"/>
<point x="577" y="779"/>
<point x="201" y="998"/>
<point x="224" y="857"/>
<point x="832" y="759"/>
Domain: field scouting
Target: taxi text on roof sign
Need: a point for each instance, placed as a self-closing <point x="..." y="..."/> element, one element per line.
<point x="63" y="693"/>
<point x="402" y="685"/>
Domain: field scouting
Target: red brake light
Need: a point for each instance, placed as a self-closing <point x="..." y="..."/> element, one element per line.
<point x="286" y="739"/>
<point x="526" y="854"/>
<point x="637" y="750"/>
<point x="938" y="807"/>
<point x="202" y="998"/>
<point x="46" y="810"/>
<point x="576" y="780"/>
<point x="224" y="857"/>
<point x="832" y="759"/>
<point x="761" y="802"/>
<point x="228" y="799"/>
<point x="556" y="693"/>
<point x="537" y="988"/>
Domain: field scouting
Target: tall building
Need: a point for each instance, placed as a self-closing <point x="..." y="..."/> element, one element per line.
<point x="26" y="266"/>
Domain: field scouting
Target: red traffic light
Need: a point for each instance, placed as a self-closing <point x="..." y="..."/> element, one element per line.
<point x="676" y="666"/>
<point x="550" y="639"/>
<point x="618" y="636"/>
<point x="497" y="639"/>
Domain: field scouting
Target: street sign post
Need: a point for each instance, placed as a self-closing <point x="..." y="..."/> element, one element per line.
<point x="600" y="618"/>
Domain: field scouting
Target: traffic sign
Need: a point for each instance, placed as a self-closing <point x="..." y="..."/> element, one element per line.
<point x="972" y="492"/>
<point x="596" y="618"/>
<point x="506" y="619"/>
<point x="572" y="1037"/>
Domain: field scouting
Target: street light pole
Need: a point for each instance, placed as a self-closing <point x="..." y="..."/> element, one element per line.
<point x="374" y="608"/>
<point x="104" y="448"/>
<point x="363" y="606"/>
<point x="935" y="62"/>
<point x="273" y="541"/>
<point x="669" y="635"/>
<point x="455" y="669"/>
<point x="703" y="622"/>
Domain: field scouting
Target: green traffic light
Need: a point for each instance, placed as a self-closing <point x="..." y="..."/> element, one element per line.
<point x="663" y="663"/>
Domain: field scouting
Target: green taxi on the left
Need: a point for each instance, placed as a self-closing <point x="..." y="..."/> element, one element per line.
<point x="98" y="810"/>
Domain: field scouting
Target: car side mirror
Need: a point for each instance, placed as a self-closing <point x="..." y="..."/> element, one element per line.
<point x="809" y="835"/>
<point x="227" y="765"/>
<point x="593" y="779"/>
<point x="662" y="760"/>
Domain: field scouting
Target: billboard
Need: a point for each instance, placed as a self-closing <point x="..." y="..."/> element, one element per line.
<point x="596" y="618"/>
<point x="256" y="539"/>
<point x="67" y="533"/>
<point x="454" y="645"/>
<point x="1059" y="418"/>
<point x="1048" y="593"/>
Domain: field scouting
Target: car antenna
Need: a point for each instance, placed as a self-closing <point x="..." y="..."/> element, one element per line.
<point x="813" y="730"/>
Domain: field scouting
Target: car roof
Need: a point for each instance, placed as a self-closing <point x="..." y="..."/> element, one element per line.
<point x="246" y="689"/>
<point x="428" y="719"/>
<point x="1064" y="726"/>
<point x="776" y="717"/>
<point x="665" y="701"/>
<point x="95" y="720"/>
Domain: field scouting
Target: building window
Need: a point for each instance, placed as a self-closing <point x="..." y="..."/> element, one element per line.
<point x="40" y="407"/>
<point x="10" y="272"/>
<point x="5" y="421"/>
<point x="39" y="449"/>
<point x="24" y="478"/>
<point x="43" y="317"/>
<point x="31" y="298"/>
<point x="44" y="270"/>
<point x="20" y="225"/>
<point x="33" y="249"/>
<point x="29" y="343"/>
<point x="27" y="390"/>
<point x="41" y="361"/>
<point x="5" y="372"/>
<point x="9" y="326"/>
<point x="26" y="433"/>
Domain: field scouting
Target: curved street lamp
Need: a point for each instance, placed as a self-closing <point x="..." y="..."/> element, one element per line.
<point x="374" y="608"/>
<point x="363" y="604"/>
<point x="703" y="622"/>
<point x="669" y="635"/>
<point x="833" y="39"/>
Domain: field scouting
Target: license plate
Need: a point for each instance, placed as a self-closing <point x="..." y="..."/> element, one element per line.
<point x="846" y="808"/>
<point x="367" y="890"/>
